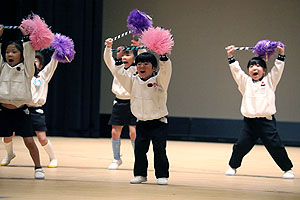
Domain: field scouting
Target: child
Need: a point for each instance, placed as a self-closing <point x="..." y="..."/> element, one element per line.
<point x="15" y="76"/>
<point x="258" y="108"/>
<point x="148" y="98"/>
<point x="39" y="89"/>
<point x="121" y="114"/>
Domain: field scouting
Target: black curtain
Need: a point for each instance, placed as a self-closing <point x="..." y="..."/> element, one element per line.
<point x="72" y="107"/>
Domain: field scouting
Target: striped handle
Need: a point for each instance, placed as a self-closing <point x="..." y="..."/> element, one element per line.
<point x="243" y="48"/>
<point x="10" y="27"/>
<point x="121" y="35"/>
<point x="130" y="48"/>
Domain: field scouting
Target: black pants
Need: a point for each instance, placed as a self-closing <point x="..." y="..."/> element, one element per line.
<point x="254" y="128"/>
<point x="146" y="131"/>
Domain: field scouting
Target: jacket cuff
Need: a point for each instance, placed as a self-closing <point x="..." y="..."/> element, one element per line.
<point x="281" y="57"/>
<point x="25" y="38"/>
<point x="118" y="62"/>
<point x="231" y="60"/>
<point x="163" y="58"/>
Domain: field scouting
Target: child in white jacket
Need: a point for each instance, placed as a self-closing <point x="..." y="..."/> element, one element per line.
<point x="148" y="97"/>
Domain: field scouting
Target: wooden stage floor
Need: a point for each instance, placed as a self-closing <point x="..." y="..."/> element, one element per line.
<point x="196" y="172"/>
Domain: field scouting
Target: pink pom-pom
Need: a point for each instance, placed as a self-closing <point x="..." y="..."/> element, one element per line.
<point x="39" y="34"/>
<point x="158" y="39"/>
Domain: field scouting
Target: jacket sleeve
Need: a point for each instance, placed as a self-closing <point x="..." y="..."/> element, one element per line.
<point x="108" y="59"/>
<point x="49" y="70"/>
<point x="1" y="58"/>
<point x="239" y="75"/>
<point x="164" y="74"/>
<point x="29" y="56"/>
<point x="276" y="73"/>
<point x="124" y="77"/>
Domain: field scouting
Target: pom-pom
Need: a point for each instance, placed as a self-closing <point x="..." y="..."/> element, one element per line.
<point x="39" y="34"/>
<point x="64" y="48"/>
<point x="138" y="21"/>
<point x="266" y="48"/>
<point x="158" y="39"/>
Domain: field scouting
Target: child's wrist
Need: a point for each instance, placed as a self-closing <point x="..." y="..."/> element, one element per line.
<point x="231" y="59"/>
<point x="163" y="58"/>
<point x="281" y="57"/>
<point x="25" y="38"/>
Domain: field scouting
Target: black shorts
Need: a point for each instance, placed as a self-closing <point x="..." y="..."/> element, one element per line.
<point x="38" y="118"/>
<point x="121" y="114"/>
<point x="15" y="120"/>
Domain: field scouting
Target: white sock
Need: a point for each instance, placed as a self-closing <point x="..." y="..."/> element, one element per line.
<point x="50" y="151"/>
<point x="8" y="147"/>
<point x="116" y="144"/>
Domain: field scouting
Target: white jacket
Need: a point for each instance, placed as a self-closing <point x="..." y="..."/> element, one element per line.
<point x="15" y="81"/>
<point x="258" y="97"/>
<point x="147" y="103"/>
<point x="39" y="84"/>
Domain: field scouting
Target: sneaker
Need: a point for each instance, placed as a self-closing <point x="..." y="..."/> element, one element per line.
<point x="138" y="179"/>
<point x="115" y="164"/>
<point x="7" y="159"/>
<point x="230" y="172"/>
<point x="53" y="163"/>
<point x="162" y="181"/>
<point x="288" y="174"/>
<point x="39" y="174"/>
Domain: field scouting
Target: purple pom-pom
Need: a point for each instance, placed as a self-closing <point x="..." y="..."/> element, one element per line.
<point x="266" y="48"/>
<point x="64" y="48"/>
<point x="138" y="21"/>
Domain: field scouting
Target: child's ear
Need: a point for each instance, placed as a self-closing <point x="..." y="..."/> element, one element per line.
<point x="265" y="70"/>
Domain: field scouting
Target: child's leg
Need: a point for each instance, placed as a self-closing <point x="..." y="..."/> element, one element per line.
<point x="8" y="144"/>
<point x="273" y="144"/>
<point x="159" y="141"/>
<point x="132" y="134"/>
<point x="116" y="142"/>
<point x="142" y="143"/>
<point x="47" y="145"/>
<point x="244" y="144"/>
<point x="33" y="150"/>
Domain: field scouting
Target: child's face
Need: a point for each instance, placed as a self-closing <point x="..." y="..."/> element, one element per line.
<point x="256" y="71"/>
<point x="127" y="58"/>
<point x="12" y="55"/>
<point x="145" y="69"/>
<point x="38" y="63"/>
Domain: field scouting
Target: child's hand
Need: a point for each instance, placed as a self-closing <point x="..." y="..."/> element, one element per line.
<point x="24" y="32"/>
<point x="136" y="43"/>
<point x="109" y="42"/>
<point x="230" y="49"/>
<point x="120" y="52"/>
<point x="280" y="48"/>
<point x="1" y="29"/>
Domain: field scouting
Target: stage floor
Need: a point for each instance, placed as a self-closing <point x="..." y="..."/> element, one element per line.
<point x="196" y="172"/>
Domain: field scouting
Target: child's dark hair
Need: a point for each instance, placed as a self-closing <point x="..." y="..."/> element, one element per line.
<point x="146" y="57"/>
<point x="255" y="61"/>
<point x="40" y="57"/>
<point x="18" y="45"/>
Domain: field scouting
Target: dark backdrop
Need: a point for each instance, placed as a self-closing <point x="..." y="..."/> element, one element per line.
<point x="72" y="107"/>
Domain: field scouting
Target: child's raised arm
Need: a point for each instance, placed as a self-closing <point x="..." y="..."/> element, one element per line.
<point x="1" y="59"/>
<point x="28" y="53"/>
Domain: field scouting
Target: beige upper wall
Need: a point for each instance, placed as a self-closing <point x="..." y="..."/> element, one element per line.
<point x="201" y="84"/>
